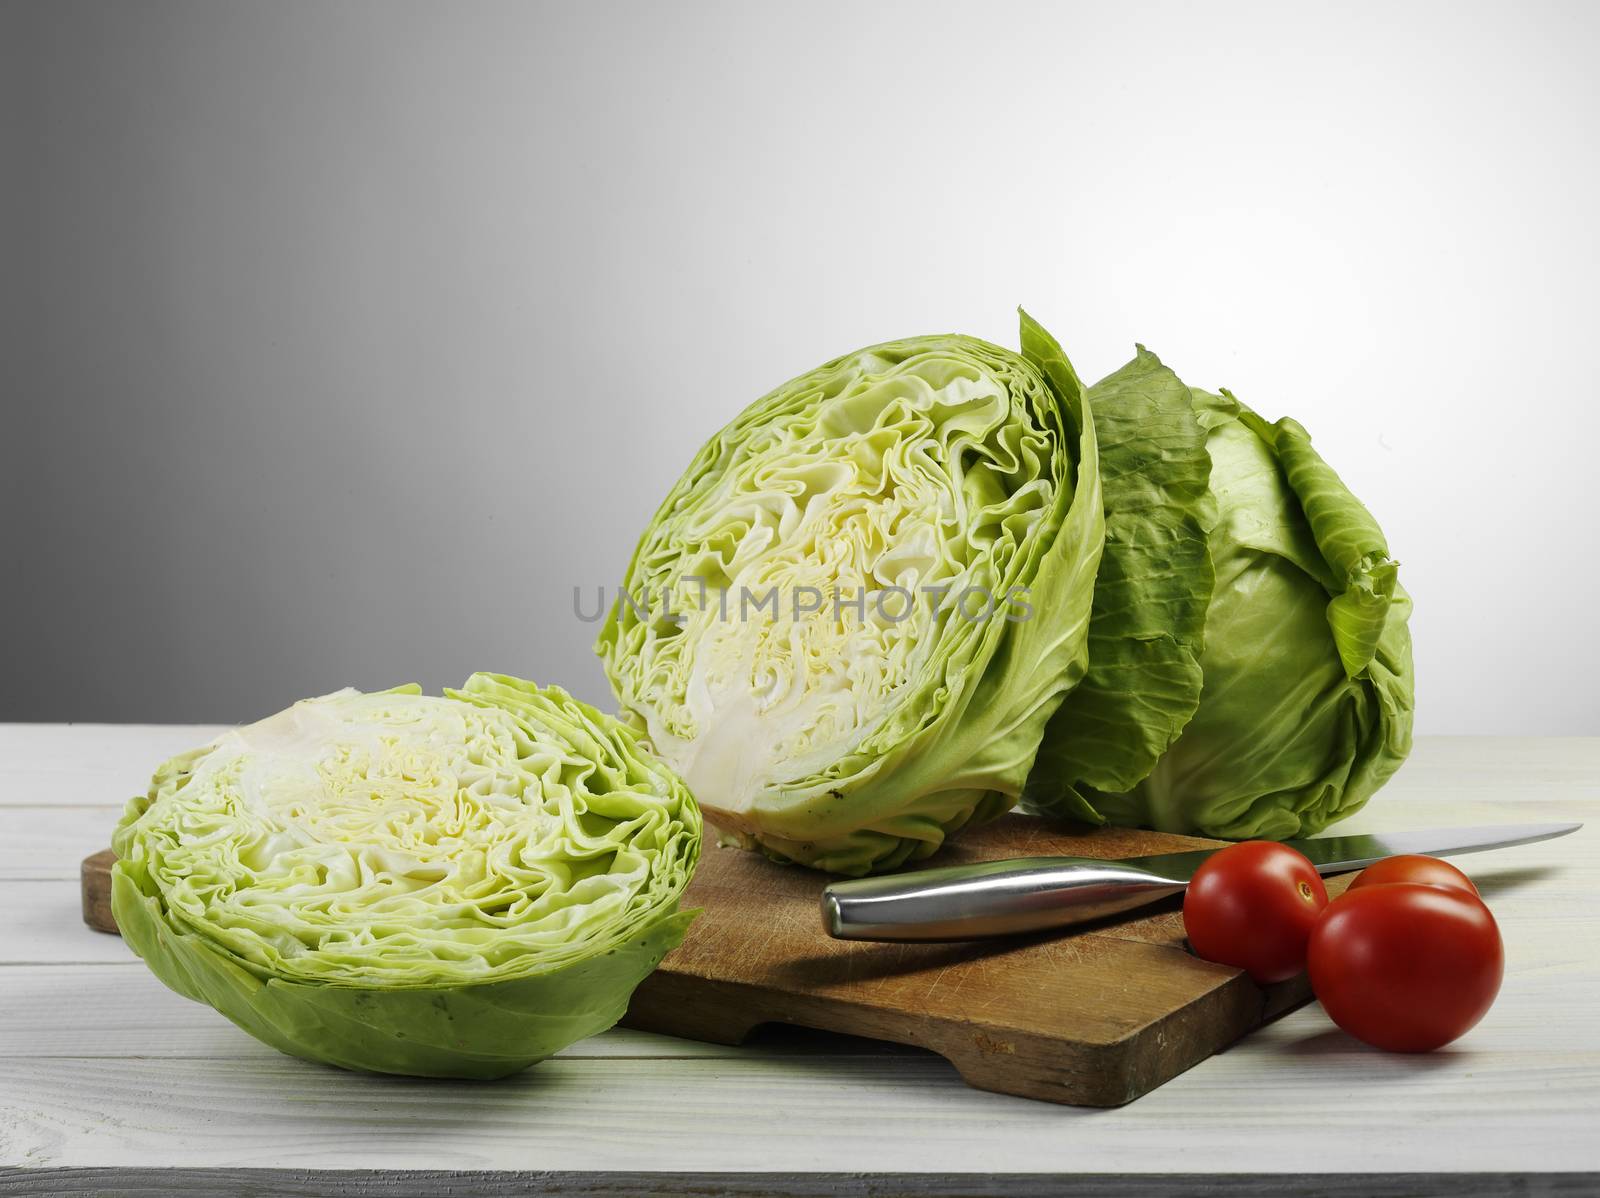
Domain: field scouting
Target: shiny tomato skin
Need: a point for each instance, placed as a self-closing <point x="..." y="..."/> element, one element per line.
<point x="1425" y="871"/>
<point x="1404" y="966"/>
<point x="1252" y="905"/>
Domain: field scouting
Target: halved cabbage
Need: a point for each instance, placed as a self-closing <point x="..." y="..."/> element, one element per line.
<point x="456" y="886"/>
<point x="849" y="620"/>
<point x="1250" y="667"/>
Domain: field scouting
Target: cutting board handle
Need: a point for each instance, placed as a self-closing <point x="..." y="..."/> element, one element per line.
<point x="95" y="878"/>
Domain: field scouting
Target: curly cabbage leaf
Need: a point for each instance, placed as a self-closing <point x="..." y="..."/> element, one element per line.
<point x="456" y="886"/>
<point x="1250" y="665"/>
<point x="849" y="620"/>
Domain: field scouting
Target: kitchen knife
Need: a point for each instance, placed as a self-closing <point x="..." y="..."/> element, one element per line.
<point x="1031" y="894"/>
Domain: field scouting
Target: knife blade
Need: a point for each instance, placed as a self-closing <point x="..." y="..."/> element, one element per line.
<point x="1030" y="894"/>
<point x="1339" y="854"/>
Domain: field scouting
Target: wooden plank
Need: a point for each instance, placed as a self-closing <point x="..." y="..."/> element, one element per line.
<point x="87" y="765"/>
<point x="66" y="786"/>
<point x="1466" y="1110"/>
<point x="49" y="843"/>
<point x="43" y="925"/>
<point x="1510" y="762"/>
<point x="112" y="1011"/>
<point x="1457" y="808"/>
<point x="124" y="755"/>
<point x="426" y="1183"/>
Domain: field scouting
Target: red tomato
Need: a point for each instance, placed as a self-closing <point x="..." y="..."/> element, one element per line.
<point x="1406" y="967"/>
<point x="1252" y="905"/>
<point x="1426" y="871"/>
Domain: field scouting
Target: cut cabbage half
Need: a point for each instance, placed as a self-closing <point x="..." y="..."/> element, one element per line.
<point x="455" y="886"/>
<point x="850" y="619"/>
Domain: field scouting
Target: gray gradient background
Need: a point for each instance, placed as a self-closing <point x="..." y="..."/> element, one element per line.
<point x="342" y="341"/>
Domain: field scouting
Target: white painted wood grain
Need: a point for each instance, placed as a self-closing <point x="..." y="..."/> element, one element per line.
<point x="43" y="924"/>
<point x="50" y="843"/>
<point x="1349" y="1111"/>
<point x="126" y="752"/>
<point x="94" y="765"/>
<point x="100" y="747"/>
<point x="99" y="1065"/>
<point x="86" y="1011"/>
<point x="65" y="787"/>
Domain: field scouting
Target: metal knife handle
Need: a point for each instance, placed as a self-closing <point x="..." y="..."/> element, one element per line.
<point x="994" y="898"/>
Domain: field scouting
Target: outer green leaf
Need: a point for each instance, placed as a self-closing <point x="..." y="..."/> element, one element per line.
<point x="454" y="886"/>
<point x="1155" y="581"/>
<point x="858" y="743"/>
<point x="1307" y="700"/>
<point x="1349" y="539"/>
<point x="473" y="1031"/>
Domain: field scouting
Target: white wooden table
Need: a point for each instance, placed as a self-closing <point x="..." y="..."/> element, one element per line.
<point x="109" y="1082"/>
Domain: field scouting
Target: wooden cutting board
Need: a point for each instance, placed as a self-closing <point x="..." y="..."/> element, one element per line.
<point x="1095" y="1017"/>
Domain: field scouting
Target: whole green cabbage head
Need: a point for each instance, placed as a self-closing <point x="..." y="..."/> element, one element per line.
<point x="849" y="620"/>
<point x="452" y="887"/>
<point x="1250" y="667"/>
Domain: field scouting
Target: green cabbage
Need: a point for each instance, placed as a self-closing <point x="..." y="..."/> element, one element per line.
<point x="1250" y="667"/>
<point x="857" y="734"/>
<point x="455" y="886"/>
